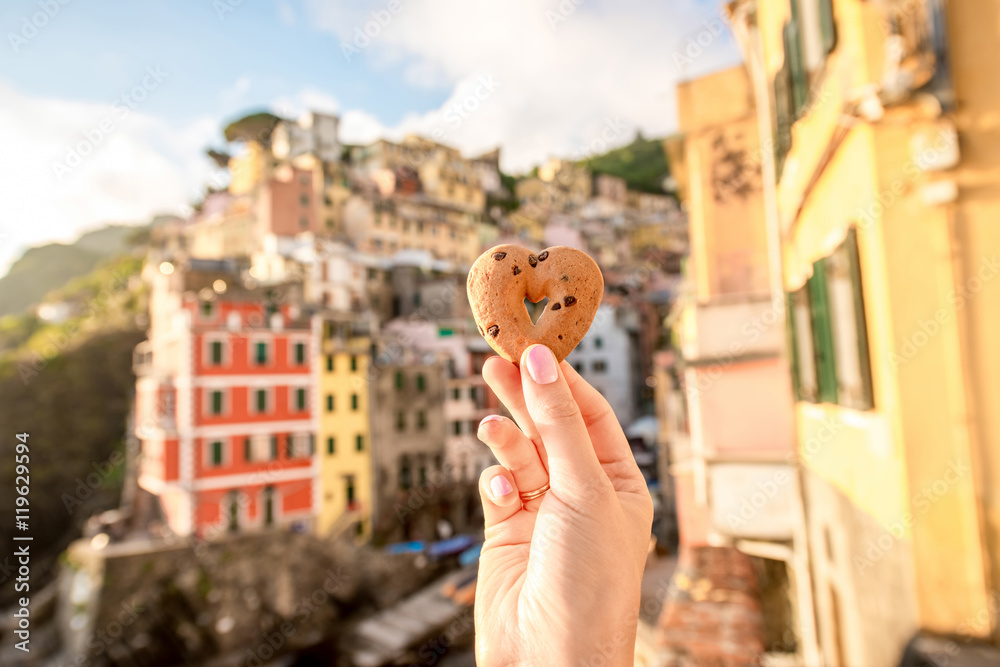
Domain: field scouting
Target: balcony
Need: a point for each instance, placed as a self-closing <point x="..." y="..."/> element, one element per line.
<point x="728" y="329"/>
<point x="752" y="500"/>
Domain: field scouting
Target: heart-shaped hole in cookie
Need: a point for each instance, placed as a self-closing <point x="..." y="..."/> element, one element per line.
<point x="519" y="298"/>
<point x="535" y="308"/>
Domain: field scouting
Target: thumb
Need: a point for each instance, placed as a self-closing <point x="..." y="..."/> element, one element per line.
<point x="573" y="465"/>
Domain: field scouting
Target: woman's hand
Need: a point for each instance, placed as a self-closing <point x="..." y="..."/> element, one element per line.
<point x="559" y="578"/>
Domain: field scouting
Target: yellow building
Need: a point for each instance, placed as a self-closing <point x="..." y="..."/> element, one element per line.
<point x="883" y="187"/>
<point x="343" y="434"/>
<point x="249" y="168"/>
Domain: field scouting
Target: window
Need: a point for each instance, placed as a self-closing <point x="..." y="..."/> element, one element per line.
<point x="257" y="448"/>
<point x="829" y="336"/>
<point x="349" y="490"/>
<point x="331" y="445"/>
<point x="421" y="383"/>
<point x="399" y="380"/>
<point x="598" y="343"/>
<point x="599" y="366"/>
<point x="400" y="421"/>
<point x="421" y="420"/>
<point x="474" y="393"/>
<point x="329" y="402"/>
<point x="456" y="428"/>
<point x="260" y="401"/>
<point x="206" y="309"/>
<point x="304" y="222"/>
<point x="300" y="399"/>
<point x="404" y="473"/>
<point x="456" y="394"/>
<point x="216" y="402"/>
<point x="274" y="447"/>
<point x="216" y="352"/>
<point x="289" y="447"/>
<point x="354" y="401"/>
<point x="329" y="363"/>
<point x="300" y="354"/>
<point x="359" y="442"/>
<point x="304" y="199"/>
<point x="354" y="363"/>
<point x="216" y="453"/>
<point x="260" y="353"/>
<point x="247" y="449"/>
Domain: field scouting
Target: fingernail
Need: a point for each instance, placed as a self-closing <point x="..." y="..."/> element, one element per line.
<point x="500" y="487"/>
<point x="490" y="418"/>
<point x="542" y="365"/>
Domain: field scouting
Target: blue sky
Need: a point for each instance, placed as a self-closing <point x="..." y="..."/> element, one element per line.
<point x="542" y="77"/>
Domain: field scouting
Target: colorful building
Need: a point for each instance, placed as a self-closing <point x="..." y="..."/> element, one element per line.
<point x="881" y="172"/>
<point x="732" y="449"/>
<point x="223" y="401"/>
<point x="342" y="423"/>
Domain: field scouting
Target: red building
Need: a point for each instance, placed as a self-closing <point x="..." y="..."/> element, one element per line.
<point x="223" y="404"/>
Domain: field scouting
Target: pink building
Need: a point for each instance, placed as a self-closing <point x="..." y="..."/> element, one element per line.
<point x="223" y="402"/>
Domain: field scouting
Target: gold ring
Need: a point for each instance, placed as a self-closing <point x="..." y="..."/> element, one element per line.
<point x="531" y="495"/>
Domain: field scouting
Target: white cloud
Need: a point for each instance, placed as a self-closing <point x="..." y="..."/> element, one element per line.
<point x="141" y="167"/>
<point x="566" y="67"/>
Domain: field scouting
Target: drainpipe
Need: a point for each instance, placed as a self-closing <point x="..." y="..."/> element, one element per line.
<point x="742" y="15"/>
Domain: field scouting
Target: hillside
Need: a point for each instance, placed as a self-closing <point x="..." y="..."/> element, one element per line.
<point x="45" y="268"/>
<point x="642" y="164"/>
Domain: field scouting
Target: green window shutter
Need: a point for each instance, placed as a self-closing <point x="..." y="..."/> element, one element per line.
<point x="359" y="442"/>
<point x="261" y="354"/>
<point x="354" y="363"/>
<point x="354" y="401"/>
<point x="400" y="421"/>
<point x="217" y="453"/>
<point x="300" y="353"/>
<point x="329" y="363"/>
<point x="329" y="402"/>
<point x="796" y="63"/>
<point x="421" y="420"/>
<point x="399" y="380"/>
<point x="827" y="25"/>
<point x="247" y="449"/>
<point x="331" y="445"/>
<point x="826" y="370"/>
<point x="274" y="447"/>
<point x="216" y="402"/>
<point x="217" y="352"/>
<point x="300" y="399"/>
<point x="793" y="347"/>
<point x="261" y="400"/>
<point x="864" y="356"/>
<point x="421" y="383"/>
<point x="289" y="450"/>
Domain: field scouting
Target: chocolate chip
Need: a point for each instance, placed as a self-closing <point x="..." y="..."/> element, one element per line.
<point x="560" y="335"/>
<point x="544" y="255"/>
<point x="533" y="261"/>
<point x="499" y="255"/>
<point x="565" y="279"/>
<point x="517" y="270"/>
<point x="556" y="306"/>
<point x="569" y="301"/>
<point x="494" y="331"/>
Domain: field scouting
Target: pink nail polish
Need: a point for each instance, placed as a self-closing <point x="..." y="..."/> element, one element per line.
<point x="490" y="418"/>
<point x="542" y="364"/>
<point x="500" y="487"/>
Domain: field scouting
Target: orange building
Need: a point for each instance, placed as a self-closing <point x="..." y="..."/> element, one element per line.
<point x="223" y="405"/>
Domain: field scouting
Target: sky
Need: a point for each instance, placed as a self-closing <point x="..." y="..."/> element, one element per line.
<point x="107" y="106"/>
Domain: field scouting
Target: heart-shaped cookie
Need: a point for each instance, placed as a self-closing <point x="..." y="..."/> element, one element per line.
<point x="505" y="275"/>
